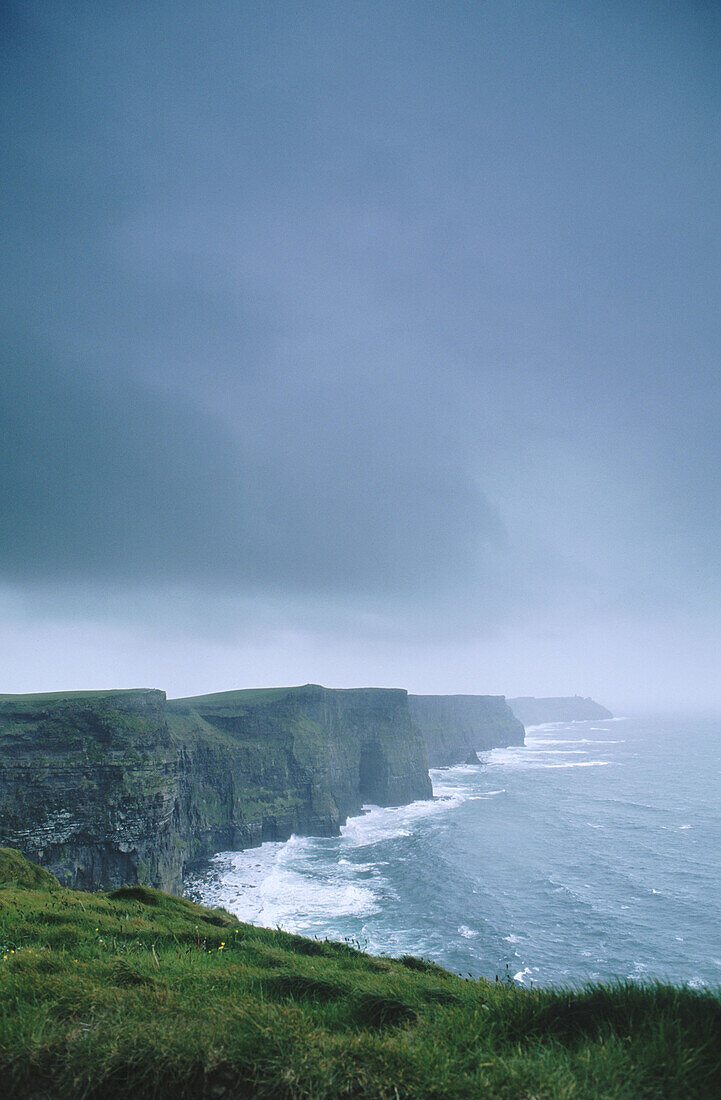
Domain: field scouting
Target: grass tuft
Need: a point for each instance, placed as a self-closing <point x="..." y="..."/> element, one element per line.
<point x="143" y="894"/>
<point x="15" y="869"/>
<point x="381" y="1010"/>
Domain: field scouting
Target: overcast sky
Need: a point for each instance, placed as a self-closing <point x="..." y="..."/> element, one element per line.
<point x="362" y="343"/>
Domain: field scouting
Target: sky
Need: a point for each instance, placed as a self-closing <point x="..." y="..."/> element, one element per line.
<point x="362" y="343"/>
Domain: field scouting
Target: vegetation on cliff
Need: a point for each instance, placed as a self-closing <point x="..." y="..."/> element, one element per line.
<point x="135" y="993"/>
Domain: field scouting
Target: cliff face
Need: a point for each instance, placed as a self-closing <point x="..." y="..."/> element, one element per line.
<point x="262" y="765"/>
<point x="534" y="712"/>
<point x="116" y="787"/>
<point x="454" y="726"/>
<point x="88" y="786"/>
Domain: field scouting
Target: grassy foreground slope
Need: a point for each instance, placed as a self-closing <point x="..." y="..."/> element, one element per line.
<point x="136" y="993"/>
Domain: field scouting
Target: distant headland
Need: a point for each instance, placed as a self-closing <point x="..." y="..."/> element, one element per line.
<point x="573" y="708"/>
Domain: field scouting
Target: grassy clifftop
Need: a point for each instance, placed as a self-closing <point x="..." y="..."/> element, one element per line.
<point x="136" y="993"/>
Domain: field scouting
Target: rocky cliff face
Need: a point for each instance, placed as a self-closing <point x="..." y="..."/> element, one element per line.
<point x="260" y="765"/>
<point x="454" y="726"/>
<point x="88" y="786"/>
<point x="534" y="712"/>
<point x="115" y="787"/>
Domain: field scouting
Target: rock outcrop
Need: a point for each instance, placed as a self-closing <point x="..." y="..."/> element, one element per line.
<point x="107" y="788"/>
<point x="89" y="786"/>
<point x="534" y="712"/>
<point x="454" y="726"/>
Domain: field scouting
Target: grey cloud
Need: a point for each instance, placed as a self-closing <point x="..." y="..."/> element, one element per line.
<point x="102" y="477"/>
<point x="377" y="318"/>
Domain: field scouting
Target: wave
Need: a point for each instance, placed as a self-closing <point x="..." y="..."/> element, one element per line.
<point x="549" y="726"/>
<point x="580" y="764"/>
<point x="277" y="885"/>
<point x="379" y="823"/>
<point x="525" y="976"/>
<point x="562" y="752"/>
<point x="298" y="902"/>
<point x="295" y="884"/>
<point x="530" y="758"/>
<point x="571" y="741"/>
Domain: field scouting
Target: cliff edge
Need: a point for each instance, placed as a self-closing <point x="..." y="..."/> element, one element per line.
<point x="454" y="726"/>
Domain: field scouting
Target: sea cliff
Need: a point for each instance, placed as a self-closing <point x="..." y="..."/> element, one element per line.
<point x="454" y="726"/>
<point x="574" y="708"/>
<point x="107" y="788"/>
<point x="260" y="765"/>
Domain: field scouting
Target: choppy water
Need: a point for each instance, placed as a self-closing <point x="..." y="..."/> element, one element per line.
<point x="594" y="851"/>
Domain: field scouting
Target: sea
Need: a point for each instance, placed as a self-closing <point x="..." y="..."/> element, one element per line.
<point x="592" y="852"/>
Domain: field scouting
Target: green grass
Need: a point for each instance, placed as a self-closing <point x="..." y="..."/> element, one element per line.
<point x="40" y="697"/>
<point x="138" y="994"/>
<point x="243" y="697"/>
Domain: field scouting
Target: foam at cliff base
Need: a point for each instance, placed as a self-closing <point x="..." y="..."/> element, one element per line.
<point x="296" y="884"/>
<point x="277" y="885"/>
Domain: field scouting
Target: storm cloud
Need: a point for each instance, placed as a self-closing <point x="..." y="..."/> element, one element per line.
<point x="366" y="328"/>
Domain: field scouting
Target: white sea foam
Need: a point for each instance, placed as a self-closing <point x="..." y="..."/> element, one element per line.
<point x="525" y="976"/>
<point x="538" y="741"/>
<point x="466" y="932"/>
<point x="529" y="758"/>
<point x="562" y="752"/>
<point x="380" y="823"/>
<point x="296" y="884"/>
<point x="299" y="902"/>
<point x="275" y="885"/>
<point x="548" y="726"/>
<point x="579" y="764"/>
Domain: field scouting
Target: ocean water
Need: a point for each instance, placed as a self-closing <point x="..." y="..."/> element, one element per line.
<point x="592" y="852"/>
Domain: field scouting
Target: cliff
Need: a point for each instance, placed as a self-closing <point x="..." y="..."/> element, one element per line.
<point x="88" y="786"/>
<point x="107" y="788"/>
<point x="534" y="712"/>
<point x="454" y="726"/>
<point x="261" y="765"/>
